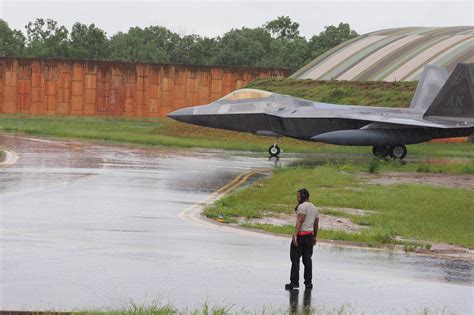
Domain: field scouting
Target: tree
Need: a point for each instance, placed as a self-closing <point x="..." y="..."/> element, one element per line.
<point x="152" y="44"/>
<point x="276" y="44"/>
<point x="291" y="54"/>
<point x="246" y="47"/>
<point x="12" y="42"/>
<point x="194" y="49"/>
<point x="46" y="39"/>
<point x="88" y="42"/>
<point x="283" y="28"/>
<point x="331" y="37"/>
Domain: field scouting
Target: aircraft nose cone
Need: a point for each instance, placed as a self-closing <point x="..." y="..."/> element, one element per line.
<point x="184" y="114"/>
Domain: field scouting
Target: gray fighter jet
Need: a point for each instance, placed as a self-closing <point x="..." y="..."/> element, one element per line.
<point x="442" y="107"/>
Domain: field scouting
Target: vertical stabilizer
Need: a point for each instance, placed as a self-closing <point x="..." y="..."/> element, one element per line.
<point x="456" y="97"/>
<point x="431" y="81"/>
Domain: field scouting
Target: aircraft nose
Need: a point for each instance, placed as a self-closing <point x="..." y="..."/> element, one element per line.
<point x="184" y="114"/>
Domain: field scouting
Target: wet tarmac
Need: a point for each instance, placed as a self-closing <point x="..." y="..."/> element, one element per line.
<point x="87" y="226"/>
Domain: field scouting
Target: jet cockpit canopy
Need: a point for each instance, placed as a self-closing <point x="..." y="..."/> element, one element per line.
<point x="244" y="94"/>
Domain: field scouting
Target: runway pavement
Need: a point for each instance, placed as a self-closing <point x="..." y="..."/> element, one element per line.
<point x="85" y="226"/>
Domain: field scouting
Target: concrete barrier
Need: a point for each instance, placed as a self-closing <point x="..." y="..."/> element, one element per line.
<point x="78" y="87"/>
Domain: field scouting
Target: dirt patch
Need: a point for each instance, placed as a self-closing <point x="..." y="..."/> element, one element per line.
<point x="446" y="180"/>
<point x="326" y="222"/>
<point x="329" y="222"/>
<point x="352" y="211"/>
<point x="443" y="248"/>
<point x="436" y="249"/>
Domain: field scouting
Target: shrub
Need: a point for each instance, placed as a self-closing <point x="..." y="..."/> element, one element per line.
<point x="374" y="166"/>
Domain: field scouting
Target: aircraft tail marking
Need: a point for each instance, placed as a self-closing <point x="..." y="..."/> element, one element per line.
<point x="456" y="97"/>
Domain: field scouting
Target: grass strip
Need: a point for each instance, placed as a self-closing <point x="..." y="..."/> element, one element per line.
<point x="460" y="166"/>
<point x="168" y="309"/>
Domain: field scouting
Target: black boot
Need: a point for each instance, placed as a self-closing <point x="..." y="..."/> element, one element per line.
<point x="291" y="286"/>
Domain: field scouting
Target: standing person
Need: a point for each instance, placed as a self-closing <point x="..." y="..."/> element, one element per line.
<point x="304" y="238"/>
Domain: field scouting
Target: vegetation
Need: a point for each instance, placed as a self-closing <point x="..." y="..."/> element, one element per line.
<point x="275" y="44"/>
<point x="377" y="93"/>
<point x="2" y="155"/>
<point x="419" y="212"/>
<point x="156" y="309"/>
<point x="206" y="309"/>
<point x="437" y="166"/>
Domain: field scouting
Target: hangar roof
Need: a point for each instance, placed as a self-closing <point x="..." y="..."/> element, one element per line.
<point x="397" y="54"/>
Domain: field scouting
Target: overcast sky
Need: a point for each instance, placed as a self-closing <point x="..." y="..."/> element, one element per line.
<point x="212" y="18"/>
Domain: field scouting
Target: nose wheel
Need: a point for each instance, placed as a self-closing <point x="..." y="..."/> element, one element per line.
<point x="274" y="150"/>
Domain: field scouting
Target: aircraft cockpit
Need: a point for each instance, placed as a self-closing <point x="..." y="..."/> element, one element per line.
<point x="244" y="94"/>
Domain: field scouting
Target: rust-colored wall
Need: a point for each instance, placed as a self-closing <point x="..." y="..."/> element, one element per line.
<point x="73" y="87"/>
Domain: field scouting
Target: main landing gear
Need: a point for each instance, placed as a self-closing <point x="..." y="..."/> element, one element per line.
<point x="274" y="150"/>
<point x="397" y="152"/>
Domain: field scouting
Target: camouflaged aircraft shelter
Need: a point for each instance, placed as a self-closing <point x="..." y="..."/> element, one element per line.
<point x="397" y="54"/>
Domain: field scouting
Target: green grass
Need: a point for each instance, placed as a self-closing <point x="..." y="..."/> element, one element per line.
<point x="166" y="132"/>
<point x="157" y="309"/>
<point x="206" y="309"/>
<point x="384" y="94"/>
<point x="2" y="155"/>
<point x="444" y="166"/>
<point x="455" y="165"/>
<point x="418" y="212"/>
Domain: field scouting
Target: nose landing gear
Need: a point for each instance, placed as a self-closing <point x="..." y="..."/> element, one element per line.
<point x="274" y="150"/>
<point x="397" y="152"/>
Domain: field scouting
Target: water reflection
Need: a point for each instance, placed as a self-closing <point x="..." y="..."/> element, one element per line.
<point x="275" y="160"/>
<point x="306" y="306"/>
<point x="419" y="266"/>
<point x="457" y="270"/>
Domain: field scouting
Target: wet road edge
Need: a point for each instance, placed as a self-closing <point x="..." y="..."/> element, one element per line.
<point x="11" y="157"/>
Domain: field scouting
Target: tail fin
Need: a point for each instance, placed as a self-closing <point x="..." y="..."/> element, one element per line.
<point x="431" y="81"/>
<point x="456" y="97"/>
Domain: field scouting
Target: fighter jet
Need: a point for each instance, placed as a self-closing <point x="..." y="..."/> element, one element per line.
<point x="442" y="107"/>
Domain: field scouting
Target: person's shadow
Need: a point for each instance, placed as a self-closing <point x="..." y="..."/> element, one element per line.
<point x="306" y="301"/>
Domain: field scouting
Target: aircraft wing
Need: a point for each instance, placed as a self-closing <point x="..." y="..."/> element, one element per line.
<point x="388" y="116"/>
<point x="397" y="122"/>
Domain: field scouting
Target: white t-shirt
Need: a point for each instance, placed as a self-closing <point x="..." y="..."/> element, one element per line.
<point x="311" y="214"/>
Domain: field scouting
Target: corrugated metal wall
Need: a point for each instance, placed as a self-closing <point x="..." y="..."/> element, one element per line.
<point x="71" y="87"/>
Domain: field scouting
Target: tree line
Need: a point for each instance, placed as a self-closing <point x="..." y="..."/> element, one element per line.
<point x="277" y="43"/>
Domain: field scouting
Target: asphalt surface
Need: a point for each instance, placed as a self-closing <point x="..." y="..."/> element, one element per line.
<point x="89" y="226"/>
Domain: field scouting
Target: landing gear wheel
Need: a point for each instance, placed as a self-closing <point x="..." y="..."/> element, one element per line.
<point x="398" y="152"/>
<point x="380" y="151"/>
<point x="274" y="150"/>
